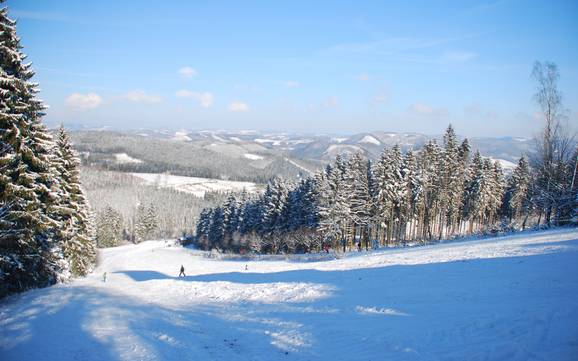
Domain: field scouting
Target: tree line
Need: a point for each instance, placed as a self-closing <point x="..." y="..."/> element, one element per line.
<point x="441" y="191"/>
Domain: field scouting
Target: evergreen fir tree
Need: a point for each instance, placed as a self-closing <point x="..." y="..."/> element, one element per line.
<point x="454" y="165"/>
<point x="31" y="253"/>
<point x="230" y="218"/>
<point x="217" y="229"/>
<point x="333" y="207"/>
<point x="412" y="202"/>
<point x="203" y="227"/>
<point x="517" y="196"/>
<point x="429" y="160"/>
<point x="110" y="227"/>
<point x="140" y="224"/>
<point x="79" y="243"/>
<point x="359" y="196"/>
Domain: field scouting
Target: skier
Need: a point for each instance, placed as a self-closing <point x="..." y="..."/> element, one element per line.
<point x="246" y="267"/>
<point x="104" y="277"/>
<point x="182" y="271"/>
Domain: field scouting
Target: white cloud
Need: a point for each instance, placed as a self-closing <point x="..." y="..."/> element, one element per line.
<point x="237" y="106"/>
<point x="187" y="72"/>
<point x="205" y="99"/>
<point x="458" y="56"/>
<point x="139" y="96"/>
<point x="83" y="101"/>
<point x="424" y="109"/>
<point x="292" y="84"/>
<point x="362" y="77"/>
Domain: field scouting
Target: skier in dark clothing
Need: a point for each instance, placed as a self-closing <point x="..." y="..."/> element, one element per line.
<point x="182" y="271"/>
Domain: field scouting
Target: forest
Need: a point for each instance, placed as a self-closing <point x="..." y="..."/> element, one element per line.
<point x="438" y="192"/>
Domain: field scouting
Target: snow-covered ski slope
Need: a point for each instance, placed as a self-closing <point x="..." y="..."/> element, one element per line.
<point x="509" y="298"/>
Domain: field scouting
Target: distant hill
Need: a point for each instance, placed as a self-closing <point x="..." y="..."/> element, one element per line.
<point x="251" y="155"/>
<point x="187" y="154"/>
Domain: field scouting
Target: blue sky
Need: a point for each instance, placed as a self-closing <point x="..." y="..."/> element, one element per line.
<point x="312" y="66"/>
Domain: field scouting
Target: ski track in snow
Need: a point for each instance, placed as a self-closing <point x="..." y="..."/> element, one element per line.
<point x="507" y="298"/>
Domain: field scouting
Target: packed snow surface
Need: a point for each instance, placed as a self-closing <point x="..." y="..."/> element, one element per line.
<point x="194" y="185"/>
<point x="509" y="298"/>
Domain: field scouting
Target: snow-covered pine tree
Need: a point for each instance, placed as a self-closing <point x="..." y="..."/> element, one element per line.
<point x="250" y="216"/>
<point x="325" y="228"/>
<point x="140" y="223"/>
<point x="146" y="222"/>
<point x="309" y="204"/>
<point x="275" y="212"/>
<point x="413" y="198"/>
<point x="372" y="188"/>
<point x="79" y="242"/>
<point x="495" y="191"/>
<point x="452" y="183"/>
<point x="217" y="229"/>
<point x="202" y="228"/>
<point x="359" y="200"/>
<point x="464" y="159"/>
<point x="383" y="205"/>
<point x="109" y="227"/>
<point x="30" y="251"/>
<point x="475" y="202"/>
<point x="296" y="212"/>
<point x="517" y="196"/>
<point x="333" y="206"/>
<point x="152" y="221"/>
<point x="429" y="159"/>
<point x="231" y="214"/>
<point x="391" y="192"/>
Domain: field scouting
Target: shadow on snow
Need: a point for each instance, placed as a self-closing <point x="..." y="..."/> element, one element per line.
<point x="450" y="307"/>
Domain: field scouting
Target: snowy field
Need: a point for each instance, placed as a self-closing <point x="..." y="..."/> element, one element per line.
<point x="509" y="298"/>
<point x="193" y="185"/>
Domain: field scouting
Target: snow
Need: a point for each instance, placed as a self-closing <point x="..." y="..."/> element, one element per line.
<point x="369" y="139"/>
<point x="181" y="136"/>
<point x="335" y="149"/>
<point x="252" y="156"/>
<point x="272" y="141"/>
<point x="338" y="140"/>
<point x="194" y="185"/>
<point x="508" y="298"/>
<point x="123" y="158"/>
<point x="505" y="164"/>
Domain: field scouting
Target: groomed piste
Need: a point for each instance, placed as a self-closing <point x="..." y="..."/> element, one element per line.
<point x="506" y="298"/>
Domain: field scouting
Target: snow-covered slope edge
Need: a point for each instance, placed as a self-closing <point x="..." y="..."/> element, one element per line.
<point x="512" y="298"/>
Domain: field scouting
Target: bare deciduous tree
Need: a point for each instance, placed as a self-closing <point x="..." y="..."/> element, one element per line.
<point x="554" y="145"/>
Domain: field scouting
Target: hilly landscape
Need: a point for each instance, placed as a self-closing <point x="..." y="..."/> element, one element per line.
<point x="255" y="156"/>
